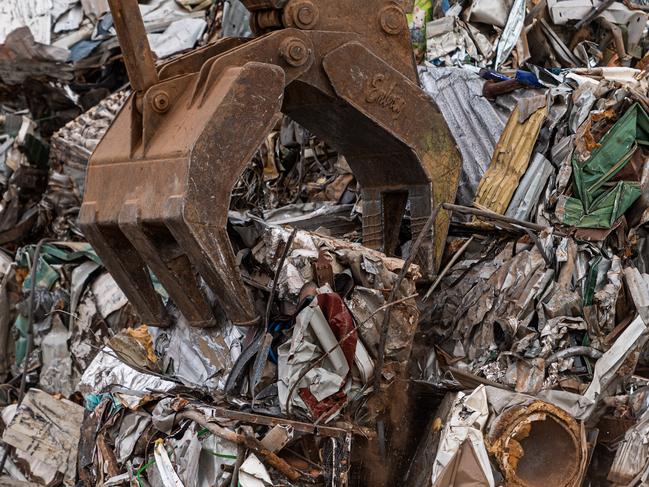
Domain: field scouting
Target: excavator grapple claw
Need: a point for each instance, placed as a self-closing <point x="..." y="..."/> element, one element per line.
<point x="158" y="185"/>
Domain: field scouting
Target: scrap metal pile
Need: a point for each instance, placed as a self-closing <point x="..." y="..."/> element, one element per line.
<point x="514" y="353"/>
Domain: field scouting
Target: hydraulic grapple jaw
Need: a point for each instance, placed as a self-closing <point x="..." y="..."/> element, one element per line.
<point x="158" y="185"/>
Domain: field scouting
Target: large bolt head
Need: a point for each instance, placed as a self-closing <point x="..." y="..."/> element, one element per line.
<point x="161" y="102"/>
<point x="294" y="51"/>
<point x="306" y="14"/>
<point x="301" y="14"/>
<point x="393" y="20"/>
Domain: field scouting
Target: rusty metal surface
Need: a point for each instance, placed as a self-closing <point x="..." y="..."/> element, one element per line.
<point x="131" y="33"/>
<point x="159" y="183"/>
<point x="537" y="445"/>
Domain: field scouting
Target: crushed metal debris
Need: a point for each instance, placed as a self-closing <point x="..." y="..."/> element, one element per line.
<point x="249" y="242"/>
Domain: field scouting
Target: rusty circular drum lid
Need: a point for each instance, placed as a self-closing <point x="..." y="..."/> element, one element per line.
<point x="538" y="445"/>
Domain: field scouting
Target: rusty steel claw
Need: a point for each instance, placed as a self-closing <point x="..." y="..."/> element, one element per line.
<point x="158" y="185"/>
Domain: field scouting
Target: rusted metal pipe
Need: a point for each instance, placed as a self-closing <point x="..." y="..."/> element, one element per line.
<point x="538" y="444"/>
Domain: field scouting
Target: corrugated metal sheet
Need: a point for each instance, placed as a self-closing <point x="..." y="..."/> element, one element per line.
<point x="474" y="122"/>
<point x="510" y="160"/>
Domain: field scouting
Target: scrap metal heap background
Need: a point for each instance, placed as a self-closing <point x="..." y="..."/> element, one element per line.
<point x="521" y="362"/>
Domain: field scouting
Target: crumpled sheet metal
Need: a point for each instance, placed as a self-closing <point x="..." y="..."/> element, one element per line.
<point x="584" y="98"/>
<point x="131" y="429"/>
<point x="364" y="303"/>
<point x="606" y="298"/>
<point x="253" y="473"/>
<point x="632" y="338"/>
<point x="451" y="41"/>
<point x="529" y="190"/>
<point x="57" y="374"/>
<point x="493" y="12"/>
<point x="35" y="59"/>
<point x="564" y="11"/>
<point x="464" y="469"/>
<point x="638" y="214"/>
<point x="448" y="37"/>
<point x="179" y="36"/>
<point x="554" y="334"/>
<point x="107" y="370"/>
<point x="369" y="267"/>
<point x="337" y="219"/>
<point x="506" y="286"/>
<point x="608" y="369"/>
<point x="186" y="453"/>
<point x="206" y="458"/>
<point x="165" y="468"/>
<point x="322" y="390"/>
<point x="605" y="210"/>
<point x="510" y="161"/>
<point x="372" y="273"/>
<point x="638" y="287"/>
<point x="199" y="357"/>
<point x="632" y="456"/>
<point x="45" y="433"/>
<point x="597" y="205"/>
<point x="35" y="14"/>
<point x="468" y="417"/>
<point x="538" y="444"/>
<point x="295" y="356"/>
<point x="521" y="287"/>
<point x="511" y="33"/>
<point x="236" y="19"/>
<point x="70" y="20"/>
<point x="475" y="124"/>
<point x="627" y="77"/>
<point x="49" y="281"/>
<point x="73" y="144"/>
<point x="6" y="275"/>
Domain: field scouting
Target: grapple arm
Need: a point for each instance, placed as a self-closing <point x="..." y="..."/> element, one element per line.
<point x="158" y="185"/>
